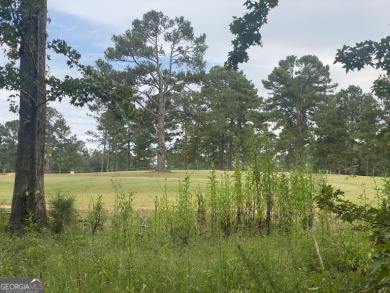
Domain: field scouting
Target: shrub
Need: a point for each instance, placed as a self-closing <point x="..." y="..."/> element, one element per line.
<point x="3" y="219"/>
<point x="62" y="213"/>
<point x="376" y="220"/>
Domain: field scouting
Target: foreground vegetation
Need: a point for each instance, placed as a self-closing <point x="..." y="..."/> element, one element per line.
<point x="253" y="231"/>
<point x="116" y="260"/>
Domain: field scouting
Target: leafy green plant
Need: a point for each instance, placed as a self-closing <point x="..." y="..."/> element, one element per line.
<point x="97" y="216"/>
<point x="376" y="219"/>
<point x="201" y="211"/>
<point x="3" y="219"/>
<point x="212" y="199"/>
<point x="123" y="218"/>
<point x="183" y="225"/>
<point x="162" y="213"/>
<point x="62" y="213"/>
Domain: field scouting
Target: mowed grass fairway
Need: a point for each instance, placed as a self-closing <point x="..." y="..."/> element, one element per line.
<point x="147" y="185"/>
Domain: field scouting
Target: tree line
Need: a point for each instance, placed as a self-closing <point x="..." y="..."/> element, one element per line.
<point x="305" y="118"/>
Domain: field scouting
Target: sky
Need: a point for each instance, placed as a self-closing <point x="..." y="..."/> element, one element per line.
<point x="295" y="27"/>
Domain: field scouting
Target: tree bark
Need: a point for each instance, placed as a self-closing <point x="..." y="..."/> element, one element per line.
<point x="160" y="152"/>
<point x="28" y="202"/>
<point x="221" y="152"/>
<point x="128" y="156"/>
<point x="161" y="137"/>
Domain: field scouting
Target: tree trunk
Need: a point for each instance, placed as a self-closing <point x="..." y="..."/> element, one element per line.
<point x="161" y="135"/>
<point x="128" y="156"/>
<point x="161" y="145"/>
<point x="28" y="202"/>
<point x="351" y="166"/>
<point x="230" y="167"/>
<point x="185" y="147"/>
<point x="103" y="155"/>
<point x="221" y="151"/>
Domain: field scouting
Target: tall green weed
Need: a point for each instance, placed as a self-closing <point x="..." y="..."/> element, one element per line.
<point x="97" y="215"/>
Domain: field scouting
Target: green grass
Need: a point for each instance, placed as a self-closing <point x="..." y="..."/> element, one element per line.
<point x="147" y="185"/>
<point x="85" y="263"/>
<point x="195" y="243"/>
<point x="356" y="187"/>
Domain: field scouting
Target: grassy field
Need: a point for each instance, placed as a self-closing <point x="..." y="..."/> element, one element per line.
<point x="147" y="185"/>
<point x="220" y="240"/>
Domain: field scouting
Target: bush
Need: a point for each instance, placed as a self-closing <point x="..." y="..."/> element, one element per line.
<point x="3" y="219"/>
<point x="375" y="219"/>
<point x="62" y="213"/>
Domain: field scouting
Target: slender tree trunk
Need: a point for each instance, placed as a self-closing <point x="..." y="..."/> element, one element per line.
<point x="230" y="155"/>
<point x="221" y="152"/>
<point x="185" y="162"/>
<point x="128" y="156"/>
<point x="161" y="135"/>
<point x="351" y="166"/>
<point x="103" y="155"/>
<point x="28" y="198"/>
<point x="108" y="157"/>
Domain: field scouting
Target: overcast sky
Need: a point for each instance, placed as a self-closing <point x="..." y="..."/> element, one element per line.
<point x="295" y="27"/>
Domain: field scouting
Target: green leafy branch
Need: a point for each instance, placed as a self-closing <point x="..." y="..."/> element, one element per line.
<point x="247" y="30"/>
<point x="378" y="221"/>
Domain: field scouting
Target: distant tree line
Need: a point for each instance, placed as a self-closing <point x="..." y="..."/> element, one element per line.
<point x="307" y="120"/>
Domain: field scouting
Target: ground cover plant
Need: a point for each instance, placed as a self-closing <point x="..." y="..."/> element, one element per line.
<point x="240" y="231"/>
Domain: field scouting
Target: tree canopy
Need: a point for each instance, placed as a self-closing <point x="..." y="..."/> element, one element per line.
<point x="165" y="58"/>
<point x="298" y="86"/>
<point x="369" y="53"/>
